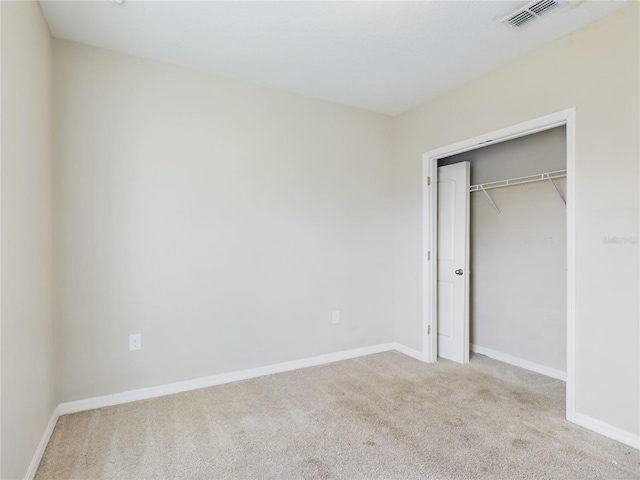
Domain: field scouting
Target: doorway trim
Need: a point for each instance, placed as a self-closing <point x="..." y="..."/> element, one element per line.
<point x="430" y="231"/>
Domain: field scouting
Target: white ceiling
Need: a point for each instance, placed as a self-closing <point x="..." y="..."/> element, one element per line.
<point x="382" y="56"/>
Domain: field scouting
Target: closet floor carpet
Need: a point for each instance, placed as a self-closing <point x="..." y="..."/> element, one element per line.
<point x="384" y="416"/>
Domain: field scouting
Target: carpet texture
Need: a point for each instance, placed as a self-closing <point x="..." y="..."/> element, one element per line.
<point x="383" y="416"/>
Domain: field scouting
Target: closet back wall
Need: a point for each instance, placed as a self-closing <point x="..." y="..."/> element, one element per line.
<point x="518" y="259"/>
<point x="222" y="221"/>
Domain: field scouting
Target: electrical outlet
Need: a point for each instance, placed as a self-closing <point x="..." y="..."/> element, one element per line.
<point x="135" y="341"/>
<point x="335" y="316"/>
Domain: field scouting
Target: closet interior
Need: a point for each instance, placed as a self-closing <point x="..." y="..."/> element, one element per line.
<point x="518" y="278"/>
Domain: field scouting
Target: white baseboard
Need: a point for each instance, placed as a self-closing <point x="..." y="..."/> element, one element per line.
<point x="607" y="430"/>
<point x="410" y="352"/>
<point x="185" y="386"/>
<point x="37" y="456"/>
<point x="518" y="362"/>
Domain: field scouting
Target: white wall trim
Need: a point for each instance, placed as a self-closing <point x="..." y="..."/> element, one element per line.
<point x="607" y="430"/>
<point x="519" y="362"/>
<point x="203" y="382"/>
<point x="409" y="352"/>
<point x="42" y="446"/>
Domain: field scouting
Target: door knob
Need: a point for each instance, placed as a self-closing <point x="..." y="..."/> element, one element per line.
<point x="459" y="271"/>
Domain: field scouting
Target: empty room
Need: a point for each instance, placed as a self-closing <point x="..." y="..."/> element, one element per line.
<point x="323" y="239"/>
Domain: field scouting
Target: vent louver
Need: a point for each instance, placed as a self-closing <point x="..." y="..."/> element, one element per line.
<point x="527" y="14"/>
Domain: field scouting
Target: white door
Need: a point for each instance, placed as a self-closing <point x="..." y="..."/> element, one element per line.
<point x="453" y="262"/>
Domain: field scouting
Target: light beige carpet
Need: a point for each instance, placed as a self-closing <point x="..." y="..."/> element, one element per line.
<point x="384" y="416"/>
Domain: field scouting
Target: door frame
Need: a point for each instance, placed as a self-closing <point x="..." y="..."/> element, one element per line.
<point x="430" y="231"/>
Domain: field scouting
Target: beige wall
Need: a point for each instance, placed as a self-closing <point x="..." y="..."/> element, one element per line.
<point x="27" y="337"/>
<point x="595" y="70"/>
<point x="222" y="221"/>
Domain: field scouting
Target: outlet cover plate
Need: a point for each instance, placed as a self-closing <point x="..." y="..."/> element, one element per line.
<point x="135" y="341"/>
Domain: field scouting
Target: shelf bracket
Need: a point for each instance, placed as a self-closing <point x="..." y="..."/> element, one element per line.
<point x="555" y="187"/>
<point x="495" y="207"/>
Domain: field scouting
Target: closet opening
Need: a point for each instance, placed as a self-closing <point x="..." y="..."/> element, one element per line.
<point x="517" y="252"/>
<point x="499" y="249"/>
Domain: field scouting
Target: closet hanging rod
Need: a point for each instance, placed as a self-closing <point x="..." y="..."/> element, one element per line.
<point x="541" y="177"/>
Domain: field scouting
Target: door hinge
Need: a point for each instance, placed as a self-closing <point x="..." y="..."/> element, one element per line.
<point x="428" y="329"/>
<point x="429" y="255"/>
<point x="428" y="181"/>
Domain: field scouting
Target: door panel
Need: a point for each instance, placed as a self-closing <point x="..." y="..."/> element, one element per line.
<point x="453" y="262"/>
<point x="445" y="309"/>
<point x="446" y="208"/>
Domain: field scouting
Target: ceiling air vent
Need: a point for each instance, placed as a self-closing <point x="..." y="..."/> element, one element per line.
<point x="527" y="14"/>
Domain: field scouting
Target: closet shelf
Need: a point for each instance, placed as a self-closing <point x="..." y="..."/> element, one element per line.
<point x="541" y="177"/>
